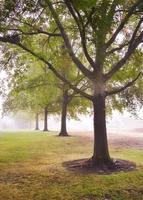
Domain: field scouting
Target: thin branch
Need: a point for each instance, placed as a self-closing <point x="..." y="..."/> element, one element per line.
<point x="123" y="22"/>
<point x="38" y="31"/>
<point x="89" y="17"/>
<point x="117" y="90"/>
<point x="117" y="48"/>
<point x="7" y="62"/>
<point x="36" y="19"/>
<point x="135" y="33"/>
<point x="127" y="55"/>
<point x="83" y="88"/>
<point x="29" y="87"/>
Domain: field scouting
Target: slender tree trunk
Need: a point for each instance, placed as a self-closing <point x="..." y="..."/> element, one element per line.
<point x="101" y="156"/>
<point x="63" y="131"/>
<point x="46" y="119"/>
<point x="37" y="122"/>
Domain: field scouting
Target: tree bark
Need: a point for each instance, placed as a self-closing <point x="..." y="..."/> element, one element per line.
<point x="45" y="119"/>
<point x="63" y="131"/>
<point x="37" y="122"/>
<point x="101" y="157"/>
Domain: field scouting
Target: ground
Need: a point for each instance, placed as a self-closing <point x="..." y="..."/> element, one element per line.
<point x="31" y="167"/>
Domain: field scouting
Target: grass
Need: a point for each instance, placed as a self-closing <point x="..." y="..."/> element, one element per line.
<point x="31" y="169"/>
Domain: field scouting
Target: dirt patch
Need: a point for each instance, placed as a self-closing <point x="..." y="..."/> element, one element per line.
<point x="127" y="143"/>
<point x="126" y="140"/>
<point x="85" y="166"/>
<point x="130" y="139"/>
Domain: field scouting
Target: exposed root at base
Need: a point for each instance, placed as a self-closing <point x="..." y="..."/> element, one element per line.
<point x="87" y="166"/>
<point x="45" y="130"/>
<point x="63" y="134"/>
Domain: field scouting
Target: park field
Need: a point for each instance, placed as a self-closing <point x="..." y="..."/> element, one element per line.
<point x="31" y="168"/>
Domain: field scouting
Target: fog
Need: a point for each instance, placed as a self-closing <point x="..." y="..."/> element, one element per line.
<point x="118" y="123"/>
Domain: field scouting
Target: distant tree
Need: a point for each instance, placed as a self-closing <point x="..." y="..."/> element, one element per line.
<point x="31" y="90"/>
<point x="71" y="102"/>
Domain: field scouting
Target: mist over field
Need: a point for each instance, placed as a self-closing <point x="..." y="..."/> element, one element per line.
<point x="117" y="123"/>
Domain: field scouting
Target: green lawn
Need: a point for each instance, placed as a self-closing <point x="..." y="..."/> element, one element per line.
<point x="31" y="169"/>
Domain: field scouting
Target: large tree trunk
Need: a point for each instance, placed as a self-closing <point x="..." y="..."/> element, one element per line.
<point x="101" y="156"/>
<point x="45" y="119"/>
<point x="63" y="131"/>
<point x="37" y="121"/>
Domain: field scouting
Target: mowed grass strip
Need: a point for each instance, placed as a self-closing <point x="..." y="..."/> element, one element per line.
<point x="31" y="169"/>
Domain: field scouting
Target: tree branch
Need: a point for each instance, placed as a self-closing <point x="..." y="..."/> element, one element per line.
<point x="135" y="33"/>
<point x="80" y="66"/>
<point x="123" y="22"/>
<point x="81" y="29"/>
<point x="33" y="86"/>
<point x="38" y="31"/>
<point x="117" y="90"/>
<point x="127" y="55"/>
<point x="117" y="48"/>
<point x="7" y="62"/>
<point x="12" y="40"/>
<point x="50" y="66"/>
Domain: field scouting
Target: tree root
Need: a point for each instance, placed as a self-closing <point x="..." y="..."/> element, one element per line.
<point x="88" y="166"/>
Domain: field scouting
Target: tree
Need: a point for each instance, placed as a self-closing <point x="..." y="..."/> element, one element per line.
<point x="109" y="33"/>
<point x="69" y="106"/>
<point x="102" y="19"/>
<point x="72" y="105"/>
